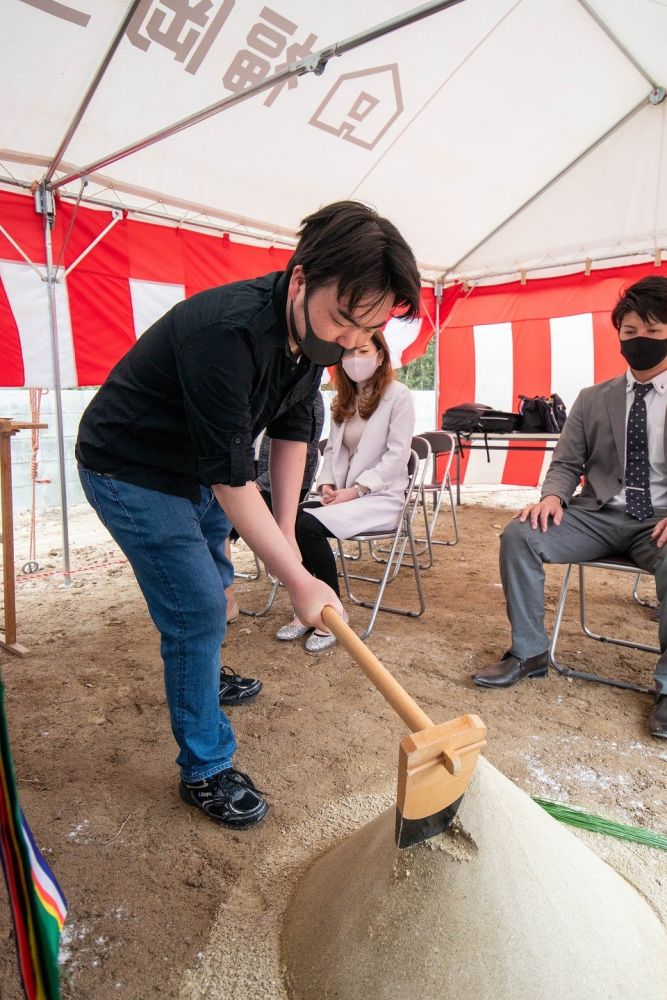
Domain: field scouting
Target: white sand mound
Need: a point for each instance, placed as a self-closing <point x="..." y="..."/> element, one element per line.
<point x="507" y="905"/>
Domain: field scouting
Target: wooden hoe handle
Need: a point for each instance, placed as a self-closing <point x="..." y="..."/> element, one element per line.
<point x="388" y="686"/>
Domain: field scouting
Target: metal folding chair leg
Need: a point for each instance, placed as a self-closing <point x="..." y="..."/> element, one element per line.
<point x="354" y="558"/>
<point x="392" y="566"/>
<point x="560" y="610"/>
<point x="421" y="450"/>
<point x="250" y="576"/>
<point x="428" y="541"/>
<point x="444" y="449"/>
<point x="379" y="553"/>
<point x="275" y="586"/>
<point x="635" y="594"/>
<point x="273" y="593"/>
<point x="437" y="503"/>
<point x="455" y="523"/>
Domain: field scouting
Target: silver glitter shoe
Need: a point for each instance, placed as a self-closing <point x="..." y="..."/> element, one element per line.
<point x="318" y="643"/>
<point x="289" y="632"/>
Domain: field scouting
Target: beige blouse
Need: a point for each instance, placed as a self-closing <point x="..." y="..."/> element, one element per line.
<point x="352" y="432"/>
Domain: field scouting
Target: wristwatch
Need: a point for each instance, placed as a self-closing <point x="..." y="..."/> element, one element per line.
<point x="359" y="490"/>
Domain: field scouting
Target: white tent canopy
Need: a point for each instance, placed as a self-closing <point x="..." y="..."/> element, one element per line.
<point x="549" y="115"/>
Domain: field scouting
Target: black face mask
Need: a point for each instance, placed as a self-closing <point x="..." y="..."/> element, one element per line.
<point x="319" y="351"/>
<point x="644" y="353"/>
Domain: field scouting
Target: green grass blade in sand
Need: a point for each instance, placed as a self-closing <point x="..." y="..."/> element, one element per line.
<point x="576" y="816"/>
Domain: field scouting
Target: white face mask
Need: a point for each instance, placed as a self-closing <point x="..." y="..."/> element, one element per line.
<point x="362" y="368"/>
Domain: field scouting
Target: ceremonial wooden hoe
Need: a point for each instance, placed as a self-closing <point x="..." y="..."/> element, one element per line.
<point x="435" y="763"/>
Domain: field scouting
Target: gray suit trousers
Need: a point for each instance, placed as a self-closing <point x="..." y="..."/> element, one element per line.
<point x="581" y="535"/>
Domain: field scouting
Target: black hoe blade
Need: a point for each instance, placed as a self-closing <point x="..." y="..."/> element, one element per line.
<point x="410" y="832"/>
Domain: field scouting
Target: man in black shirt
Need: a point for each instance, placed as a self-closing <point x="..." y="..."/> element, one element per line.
<point x="165" y="451"/>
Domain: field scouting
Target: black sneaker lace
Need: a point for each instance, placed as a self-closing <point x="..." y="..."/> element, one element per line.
<point x="229" y="676"/>
<point x="232" y="782"/>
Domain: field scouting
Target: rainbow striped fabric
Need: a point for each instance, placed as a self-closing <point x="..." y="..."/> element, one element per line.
<point x="37" y="904"/>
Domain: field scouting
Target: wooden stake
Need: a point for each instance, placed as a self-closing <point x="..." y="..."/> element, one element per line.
<point x="8" y="428"/>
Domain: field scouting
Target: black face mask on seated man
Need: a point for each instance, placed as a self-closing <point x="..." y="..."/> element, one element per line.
<point x="643" y="353"/>
<point x="319" y="351"/>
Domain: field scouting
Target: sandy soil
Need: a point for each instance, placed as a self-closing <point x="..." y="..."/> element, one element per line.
<point x="165" y="904"/>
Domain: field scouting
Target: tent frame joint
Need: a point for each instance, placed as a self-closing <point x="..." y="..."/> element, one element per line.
<point x="317" y="63"/>
<point x="45" y="203"/>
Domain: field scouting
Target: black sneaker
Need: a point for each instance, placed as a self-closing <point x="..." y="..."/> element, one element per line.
<point x="235" y="690"/>
<point x="229" y="797"/>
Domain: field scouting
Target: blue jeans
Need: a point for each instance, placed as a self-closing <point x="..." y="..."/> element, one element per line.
<point x="177" y="551"/>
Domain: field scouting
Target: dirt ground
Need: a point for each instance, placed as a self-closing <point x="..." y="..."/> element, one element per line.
<point x="162" y="903"/>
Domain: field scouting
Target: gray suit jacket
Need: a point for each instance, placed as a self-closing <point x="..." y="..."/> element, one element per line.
<point x="592" y="444"/>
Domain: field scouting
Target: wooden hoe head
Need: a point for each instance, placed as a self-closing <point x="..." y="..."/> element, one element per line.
<point x="434" y="769"/>
<point x="435" y="763"/>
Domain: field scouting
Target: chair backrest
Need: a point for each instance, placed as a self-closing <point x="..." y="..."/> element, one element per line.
<point x="422" y="447"/>
<point x="417" y="467"/>
<point x="440" y="441"/>
<point x="443" y="444"/>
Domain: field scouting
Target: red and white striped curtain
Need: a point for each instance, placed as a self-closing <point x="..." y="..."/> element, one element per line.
<point x="131" y="277"/>
<point x="549" y="335"/>
<point x="497" y="342"/>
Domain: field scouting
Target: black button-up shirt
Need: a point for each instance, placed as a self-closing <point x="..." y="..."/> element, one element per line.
<point x="185" y="404"/>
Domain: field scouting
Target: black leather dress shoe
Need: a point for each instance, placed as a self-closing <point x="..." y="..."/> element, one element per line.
<point x="657" y="724"/>
<point x="511" y="669"/>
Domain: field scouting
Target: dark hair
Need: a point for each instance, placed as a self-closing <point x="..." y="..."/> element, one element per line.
<point x="345" y="400"/>
<point x="647" y="297"/>
<point x="349" y="243"/>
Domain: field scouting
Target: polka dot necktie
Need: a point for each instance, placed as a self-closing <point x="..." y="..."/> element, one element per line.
<point x="637" y="482"/>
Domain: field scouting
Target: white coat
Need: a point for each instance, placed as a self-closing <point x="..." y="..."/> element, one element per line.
<point x="380" y="463"/>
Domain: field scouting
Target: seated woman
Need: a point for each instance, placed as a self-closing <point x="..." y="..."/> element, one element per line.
<point x="365" y="470"/>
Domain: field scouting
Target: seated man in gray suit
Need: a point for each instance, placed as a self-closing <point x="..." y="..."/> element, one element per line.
<point x="615" y="436"/>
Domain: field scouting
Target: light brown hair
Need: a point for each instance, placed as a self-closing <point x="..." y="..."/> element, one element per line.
<point x="343" y="405"/>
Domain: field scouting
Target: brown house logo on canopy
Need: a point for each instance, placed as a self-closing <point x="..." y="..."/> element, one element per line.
<point x="361" y="106"/>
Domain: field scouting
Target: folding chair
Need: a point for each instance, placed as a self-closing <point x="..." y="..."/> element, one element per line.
<point x="355" y="558"/>
<point x="617" y="564"/>
<point x="401" y="537"/>
<point x="442" y="444"/>
<point x="422" y="449"/>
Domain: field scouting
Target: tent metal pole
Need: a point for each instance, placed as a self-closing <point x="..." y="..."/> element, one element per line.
<point x="88" y="96"/>
<point x="117" y="215"/>
<point x="315" y="63"/>
<point x="649" y="99"/>
<point x="275" y="239"/>
<point x="567" y="266"/>
<point x="232" y="225"/>
<point x="437" y="291"/>
<point x="10" y="239"/>
<point x="602" y="24"/>
<point x="46" y="205"/>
